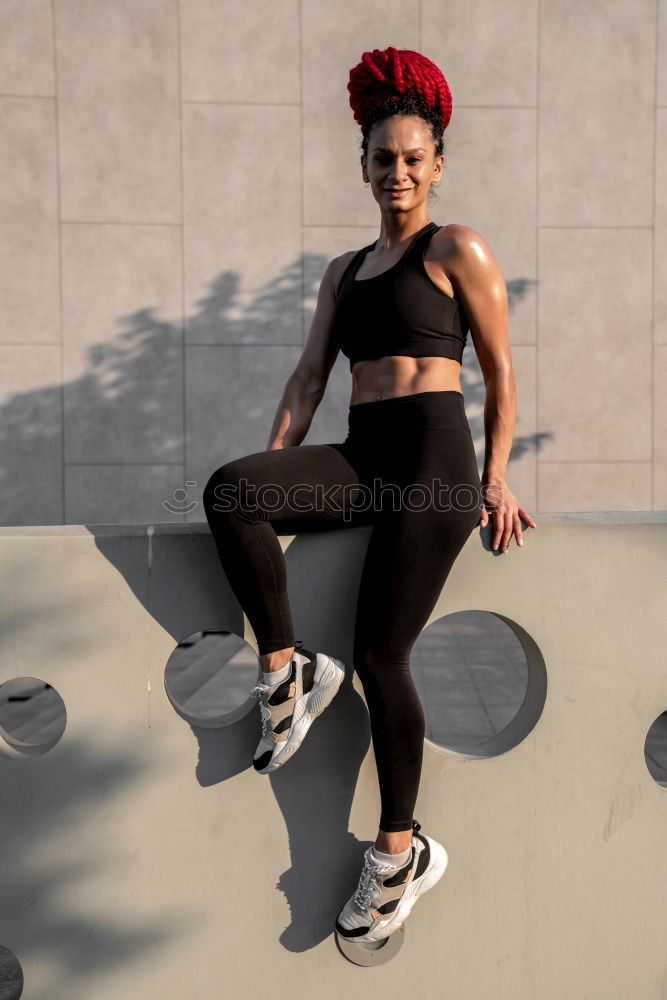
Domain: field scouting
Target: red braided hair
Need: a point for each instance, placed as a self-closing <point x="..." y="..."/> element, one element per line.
<point x="385" y="75"/>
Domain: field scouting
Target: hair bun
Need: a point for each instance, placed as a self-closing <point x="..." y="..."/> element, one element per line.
<point x="387" y="73"/>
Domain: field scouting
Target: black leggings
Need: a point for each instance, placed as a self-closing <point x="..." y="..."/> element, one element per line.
<point x="408" y="468"/>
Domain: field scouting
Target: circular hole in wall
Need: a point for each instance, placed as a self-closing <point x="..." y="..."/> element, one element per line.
<point x="32" y="716"/>
<point x="655" y="750"/>
<point x="481" y="680"/>
<point x="209" y="676"/>
<point x="11" y="975"/>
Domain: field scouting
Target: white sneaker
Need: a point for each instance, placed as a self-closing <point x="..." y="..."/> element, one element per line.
<point x="385" y="895"/>
<point x="290" y="707"/>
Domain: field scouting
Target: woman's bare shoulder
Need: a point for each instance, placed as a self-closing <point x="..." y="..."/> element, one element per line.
<point x="461" y="238"/>
<point x="464" y="252"/>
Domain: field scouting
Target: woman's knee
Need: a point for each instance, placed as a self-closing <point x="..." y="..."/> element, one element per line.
<point x="220" y="494"/>
<point x="382" y="670"/>
<point x="391" y="695"/>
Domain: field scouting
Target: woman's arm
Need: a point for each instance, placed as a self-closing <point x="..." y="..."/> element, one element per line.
<point x="482" y="289"/>
<point x="301" y="397"/>
<point x="305" y="386"/>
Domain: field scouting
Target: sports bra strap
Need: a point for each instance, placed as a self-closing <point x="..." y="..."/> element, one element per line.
<point x="352" y="267"/>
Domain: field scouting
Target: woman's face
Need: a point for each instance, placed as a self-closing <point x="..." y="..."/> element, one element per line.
<point x="401" y="155"/>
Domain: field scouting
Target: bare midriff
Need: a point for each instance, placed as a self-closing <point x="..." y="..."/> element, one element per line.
<point x="385" y="378"/>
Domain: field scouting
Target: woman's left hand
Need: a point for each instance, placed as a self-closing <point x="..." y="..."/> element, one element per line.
<point x="506" y="511"/>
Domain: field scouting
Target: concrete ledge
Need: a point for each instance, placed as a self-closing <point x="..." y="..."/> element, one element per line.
<point x="201" y="527"/>
<point x="144" y="856"/>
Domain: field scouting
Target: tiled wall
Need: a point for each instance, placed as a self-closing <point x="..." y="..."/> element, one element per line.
<point x="175" y="177"/>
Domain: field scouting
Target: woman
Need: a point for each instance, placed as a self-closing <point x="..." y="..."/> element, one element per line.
<point x="400" y="310"/>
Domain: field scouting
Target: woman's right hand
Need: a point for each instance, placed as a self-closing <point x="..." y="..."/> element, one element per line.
<point x="506" y="511"/>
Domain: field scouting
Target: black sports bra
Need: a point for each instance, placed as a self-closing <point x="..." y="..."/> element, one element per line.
<point x="400" y="311"/>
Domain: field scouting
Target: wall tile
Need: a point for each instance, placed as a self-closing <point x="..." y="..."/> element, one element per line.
<point x="597" y="80"/>
<point x="119" y="110"/>
<point x="31" y="447"/>
<point x="594" y="358"/>
<point x="232" y="395"/>
<point x="660" y="428"/>
<point x="487" y="51"/>
<point x="26" y="47"/>
<point x="122" y="494"/>
<point x="29" y="275"/>
<point x="662" y="53"/>
<point x="660" y="262"/>
<point x="243" y="267"/>
<point x="122" y="343"/>
<point x="569" y="486"/>
<point x="241" y="54"/>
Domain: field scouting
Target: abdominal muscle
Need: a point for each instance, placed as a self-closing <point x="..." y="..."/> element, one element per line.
<point x="395" y="375"/>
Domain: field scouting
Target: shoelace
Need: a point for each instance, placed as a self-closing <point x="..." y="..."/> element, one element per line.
<point x="261" y="692"/>
<point x="368" y="887"/>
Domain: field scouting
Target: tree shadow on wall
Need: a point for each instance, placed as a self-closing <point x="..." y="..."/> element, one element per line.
<point x="147" y="422"/>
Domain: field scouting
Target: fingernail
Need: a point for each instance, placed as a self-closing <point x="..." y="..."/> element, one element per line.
<point x="495" y="546"/>
<point x="521" y="541"/>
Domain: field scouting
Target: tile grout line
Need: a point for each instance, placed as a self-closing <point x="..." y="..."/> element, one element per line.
<point x="184" y="462"/>
<point x="653" y="243"/>
<point x="120" y="465"/>
<point x="369" y="225"/>
<point x="302" y="311"/>
<point x="56" y="106"/>
<point x="537" y="258"/>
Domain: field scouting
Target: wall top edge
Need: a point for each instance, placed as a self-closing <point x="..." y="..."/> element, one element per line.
<point x="595" y="517"/>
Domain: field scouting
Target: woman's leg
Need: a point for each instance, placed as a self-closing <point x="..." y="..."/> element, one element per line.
<point x="409" y="556"/>
<point x="246" y="500"/>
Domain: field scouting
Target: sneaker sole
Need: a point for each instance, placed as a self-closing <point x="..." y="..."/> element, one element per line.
<point x="434" y="872"/>
<point x="328" y="678"/>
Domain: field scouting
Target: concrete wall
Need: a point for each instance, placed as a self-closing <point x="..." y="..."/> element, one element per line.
<point x="143" y="856"/>
<point x="177" y="174"/>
